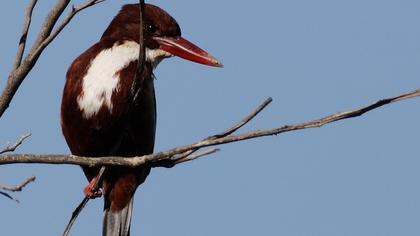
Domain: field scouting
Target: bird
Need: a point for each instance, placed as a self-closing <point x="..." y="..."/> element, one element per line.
<point x="107" y="111"/>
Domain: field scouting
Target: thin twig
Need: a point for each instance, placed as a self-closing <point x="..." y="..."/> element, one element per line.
<point x="22" y="42"/>
<point x="84" y="201"/>
<point x="8" y="196"/>
<point x="12" y="148"/>
<point x="16" y="188"/>
<point x="196" y="156"/>
<point x="74" y="215"/>
<point x="19" y="187"/>
<point x="135" y="87"/>
<point x="179" y="158"/>
<point x="244" y="121"/>
<point x="167" y="155"/>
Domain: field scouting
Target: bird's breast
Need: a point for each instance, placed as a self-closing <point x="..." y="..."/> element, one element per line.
<point x="103" y="78"/>
<point x="97" y="112"/>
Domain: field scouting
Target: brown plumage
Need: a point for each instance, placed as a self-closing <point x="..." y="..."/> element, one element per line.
<point x="98" y="114"/>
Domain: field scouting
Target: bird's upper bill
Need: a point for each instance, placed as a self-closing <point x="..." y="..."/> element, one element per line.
<point x="178" y="46"/>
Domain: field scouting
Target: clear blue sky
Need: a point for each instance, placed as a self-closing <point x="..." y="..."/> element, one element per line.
<point x="354" y="177"/>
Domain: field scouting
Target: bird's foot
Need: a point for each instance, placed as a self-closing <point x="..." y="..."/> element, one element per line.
<point x="90" y="192"/>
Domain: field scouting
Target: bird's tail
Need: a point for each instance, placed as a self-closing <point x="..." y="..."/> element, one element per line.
<point x="117" y="223"/>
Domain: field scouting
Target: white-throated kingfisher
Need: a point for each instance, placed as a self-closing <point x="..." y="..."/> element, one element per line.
<point x="101" y="115"/>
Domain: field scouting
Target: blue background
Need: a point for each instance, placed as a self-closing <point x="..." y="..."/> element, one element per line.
<point x="353" y="177"/>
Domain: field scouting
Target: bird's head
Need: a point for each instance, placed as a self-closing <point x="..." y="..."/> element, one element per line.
<point x="162" y="35"/>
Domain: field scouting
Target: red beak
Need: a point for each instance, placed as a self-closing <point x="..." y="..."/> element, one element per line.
<point x="183" y="48"/>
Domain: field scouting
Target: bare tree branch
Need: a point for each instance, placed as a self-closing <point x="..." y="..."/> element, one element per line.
<point x="45" y="36"/>
<point x="19" y="187"/>
<point x="167" y="155"/>
<point x="16" y="188"/>
<point x="188" y="155"/>
<point x="74" y="215"/>
<point x="244" y="121"/>
<point x="50" y="21"/>
<point x="12" y="148"/>
<point x="195" y="156"/>
<point x="36" y="52"/>
<point x="84" y="201"/>
<point x="22" y="42"/>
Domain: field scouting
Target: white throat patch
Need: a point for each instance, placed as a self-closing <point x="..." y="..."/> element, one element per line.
<point x="102" y="79"/>
<point x="155" y="56"/>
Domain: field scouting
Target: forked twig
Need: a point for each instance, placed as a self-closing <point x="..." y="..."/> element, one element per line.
<point x="19" y="187"/>
<point x="186" y="156"/>
<point x="12" y="148"/>
<point x="16" y="188"/>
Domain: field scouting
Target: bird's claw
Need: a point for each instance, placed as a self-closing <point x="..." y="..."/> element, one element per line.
<point x="90" y="192"/>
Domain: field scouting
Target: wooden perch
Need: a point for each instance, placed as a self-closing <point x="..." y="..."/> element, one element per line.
<point x="172" y="156"/>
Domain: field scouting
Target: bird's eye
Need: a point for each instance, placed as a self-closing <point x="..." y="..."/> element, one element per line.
<point x="151" y="29"/>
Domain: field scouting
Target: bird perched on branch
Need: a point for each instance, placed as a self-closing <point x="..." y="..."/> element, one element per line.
<point x="105" y="111"/>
